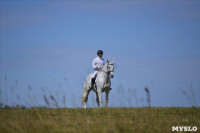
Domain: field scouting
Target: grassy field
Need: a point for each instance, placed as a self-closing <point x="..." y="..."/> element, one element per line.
<point x="149" y="120"/>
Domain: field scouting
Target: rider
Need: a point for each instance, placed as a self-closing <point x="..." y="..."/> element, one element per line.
<point x="97" y="65"/>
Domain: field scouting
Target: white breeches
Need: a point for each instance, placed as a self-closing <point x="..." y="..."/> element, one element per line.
<point x="95" y="73"/>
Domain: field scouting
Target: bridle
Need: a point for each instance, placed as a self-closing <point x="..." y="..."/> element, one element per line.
<point x="108" y="71"/>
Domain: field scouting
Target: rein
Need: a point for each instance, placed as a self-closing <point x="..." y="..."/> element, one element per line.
<point x="106" y="72"/>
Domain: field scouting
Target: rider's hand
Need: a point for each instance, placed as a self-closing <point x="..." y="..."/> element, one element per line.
<point x="98" y="67"/>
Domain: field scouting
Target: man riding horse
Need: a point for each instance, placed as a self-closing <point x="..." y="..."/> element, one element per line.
<point x="97" y="65"/>
<point x="101" y="78"/>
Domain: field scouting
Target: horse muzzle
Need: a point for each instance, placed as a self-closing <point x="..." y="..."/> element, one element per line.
<point x="111" y="75"/>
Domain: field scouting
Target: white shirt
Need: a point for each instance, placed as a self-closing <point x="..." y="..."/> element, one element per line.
<point x="97" y="62"/>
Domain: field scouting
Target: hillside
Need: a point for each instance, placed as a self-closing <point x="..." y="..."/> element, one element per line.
<point x="97" y="120"/>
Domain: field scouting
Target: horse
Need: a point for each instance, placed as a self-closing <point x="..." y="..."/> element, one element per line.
<point x="102" y="84"/>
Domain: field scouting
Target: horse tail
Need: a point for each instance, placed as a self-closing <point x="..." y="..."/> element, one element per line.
<point x="84" y="94"/>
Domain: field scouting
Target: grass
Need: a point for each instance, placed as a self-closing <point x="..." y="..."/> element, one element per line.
<point x="151" y="120"/>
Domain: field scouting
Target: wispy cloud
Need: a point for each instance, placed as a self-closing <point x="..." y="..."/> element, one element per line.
<point x="36" y="13"/>
<point x="186" y="68"/>
<point x="47" y="57"/>
<point x="190" y="15"/>
<point x="15" y="20"/>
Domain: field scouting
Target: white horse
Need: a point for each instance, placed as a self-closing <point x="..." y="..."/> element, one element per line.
<point x="102" y="84"/>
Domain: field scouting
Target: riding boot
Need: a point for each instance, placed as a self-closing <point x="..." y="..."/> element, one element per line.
<point x="92" y="82"/>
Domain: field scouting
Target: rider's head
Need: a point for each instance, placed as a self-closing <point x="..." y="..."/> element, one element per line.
<point x="100" y="53"/>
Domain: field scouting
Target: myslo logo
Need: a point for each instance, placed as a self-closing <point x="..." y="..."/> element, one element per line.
<point x="184" y="128"/>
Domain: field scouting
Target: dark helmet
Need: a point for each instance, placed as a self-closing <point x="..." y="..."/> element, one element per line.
<point x="99" y="52"/>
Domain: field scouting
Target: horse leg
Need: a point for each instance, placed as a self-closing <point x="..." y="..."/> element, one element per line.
<point x="99" y="95"/>
<point x="97" y="99"/>
<point x="107" y="93"/>
<point x="85" y="106"/>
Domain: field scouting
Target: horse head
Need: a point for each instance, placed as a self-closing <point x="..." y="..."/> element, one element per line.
<point x="109" y="68"/>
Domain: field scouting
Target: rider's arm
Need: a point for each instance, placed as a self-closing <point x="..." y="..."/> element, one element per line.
<point x="94" y="64"/>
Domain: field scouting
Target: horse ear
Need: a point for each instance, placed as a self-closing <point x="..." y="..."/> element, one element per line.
<point x="107" y="61"/>
<point x="113" y="62"/>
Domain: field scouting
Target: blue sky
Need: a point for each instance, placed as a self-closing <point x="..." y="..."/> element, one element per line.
<point x="51" y="44"/>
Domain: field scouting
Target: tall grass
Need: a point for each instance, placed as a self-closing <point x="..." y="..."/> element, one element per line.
<point x="190" y="96"/>
<point x="44" y="118"/>
<point x="148" y="96"/>
<point x="126" y="97"/>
